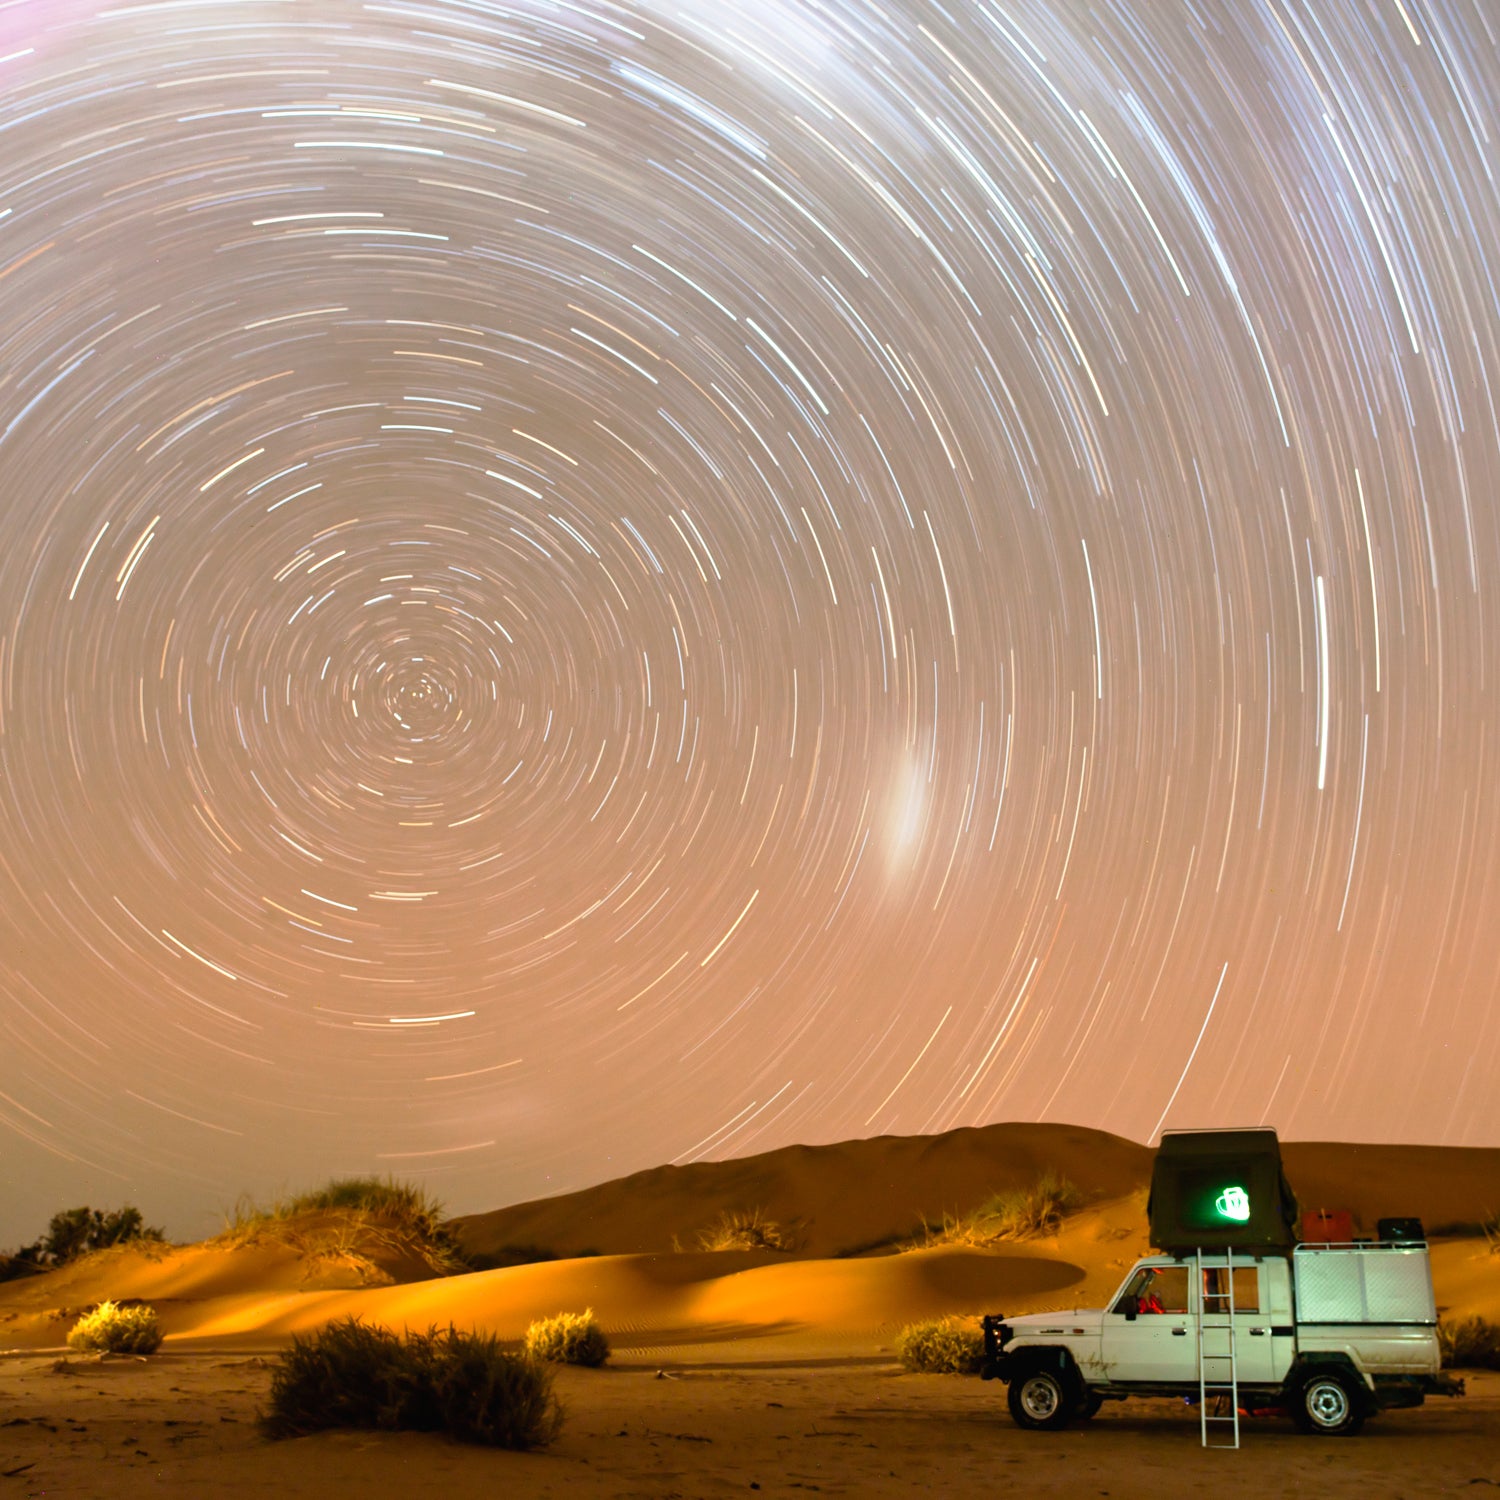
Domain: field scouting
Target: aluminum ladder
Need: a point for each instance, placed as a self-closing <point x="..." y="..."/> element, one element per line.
<point x="1218" y="1367"/>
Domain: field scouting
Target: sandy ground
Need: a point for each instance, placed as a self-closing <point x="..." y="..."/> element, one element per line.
<point x="783" y="1416"/>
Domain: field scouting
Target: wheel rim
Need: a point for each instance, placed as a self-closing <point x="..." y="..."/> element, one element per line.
<point x="1039" y="1397"/>
<point x="1327" y="1403"/>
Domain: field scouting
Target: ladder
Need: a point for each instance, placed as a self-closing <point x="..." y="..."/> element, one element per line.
<point x="1218" y="1369"/>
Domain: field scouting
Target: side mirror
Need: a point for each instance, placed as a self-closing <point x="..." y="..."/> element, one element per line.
<point x="1129" y="1306"/>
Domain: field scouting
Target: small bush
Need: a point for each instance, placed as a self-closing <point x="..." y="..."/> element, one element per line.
<point x="745" y="1231"/>
<point x="485" y="1395"/>
<point x="1017" y="1214"/>
<point x="112" y="1329"/>
<point x="569" y="1339"/>
<point x="946" y="1346"/>
<point x="1471" y="1343"/>
<point x="464" y="1384"/>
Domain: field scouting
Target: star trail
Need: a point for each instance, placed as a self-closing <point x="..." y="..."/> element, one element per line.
<point x="591" y="584"/>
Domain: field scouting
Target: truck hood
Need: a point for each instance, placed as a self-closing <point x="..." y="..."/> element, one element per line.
<point x="1073" y="1321"/>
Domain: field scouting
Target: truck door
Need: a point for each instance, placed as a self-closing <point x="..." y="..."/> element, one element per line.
<point x="1157" y="1344"/>
<point x="1254" y="1350"/>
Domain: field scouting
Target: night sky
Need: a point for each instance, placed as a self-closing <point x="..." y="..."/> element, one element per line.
<point x="585" y="585"/>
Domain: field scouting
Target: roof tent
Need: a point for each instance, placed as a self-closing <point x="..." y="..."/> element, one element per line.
<point x="1220" y="1190"/>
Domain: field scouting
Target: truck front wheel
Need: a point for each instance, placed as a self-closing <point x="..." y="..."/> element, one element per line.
<point x="1328" y="1403"/>
<point x="1041" y="1399"/>
<point x="1087" y="1406"/>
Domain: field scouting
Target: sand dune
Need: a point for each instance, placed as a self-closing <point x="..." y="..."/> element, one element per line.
<point x="837" y="1199"/>
<point x="840" y="1201"/>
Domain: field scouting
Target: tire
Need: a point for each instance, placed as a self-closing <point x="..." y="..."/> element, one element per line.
<point x="1328" y="1403"/>
<point x="1087" y="1406"/>
<point x="1041" y="1399"/>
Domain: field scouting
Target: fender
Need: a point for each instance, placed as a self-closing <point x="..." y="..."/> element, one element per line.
<point x="1322" y="1359"/>
<point x="1031" y="1356"/>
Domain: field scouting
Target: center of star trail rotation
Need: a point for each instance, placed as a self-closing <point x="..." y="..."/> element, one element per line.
<point x="597" y="584"/>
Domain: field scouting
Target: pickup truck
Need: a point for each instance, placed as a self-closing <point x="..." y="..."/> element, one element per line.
<point x="1330" y="1334"/>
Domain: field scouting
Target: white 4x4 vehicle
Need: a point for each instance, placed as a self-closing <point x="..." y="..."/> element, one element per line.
<point x="1330" y="1333"/>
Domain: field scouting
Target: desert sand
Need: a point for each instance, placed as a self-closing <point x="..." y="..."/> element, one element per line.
<point x="734" y="1371"/>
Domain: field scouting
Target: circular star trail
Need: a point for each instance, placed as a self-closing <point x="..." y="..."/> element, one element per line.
<point x="593" y="584"/>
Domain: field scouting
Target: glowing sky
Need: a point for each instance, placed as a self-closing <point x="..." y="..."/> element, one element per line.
<point x="586" y="584"/>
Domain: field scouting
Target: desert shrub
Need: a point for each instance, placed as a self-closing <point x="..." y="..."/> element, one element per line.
<point x="1487" y="1227"/>
<point x="73" y="1232"/>
<point x="464" y="1384"/>
<point x="738" y="1230"/>
<point x="945" y="1346"/>
<point x="892" y="1240"/>
<point x="1016" y="1214"/>
<point x="353" y="1218"/>
<point x="24" y="1262"/>
<point x="1470" y="1343"/>
<point x="505" y="1256"/>
<point x="569" y="1339"/>
<point x="376" y="1195"/>
<point x="113" y="1329"/>
<point x="486" y="1395"/>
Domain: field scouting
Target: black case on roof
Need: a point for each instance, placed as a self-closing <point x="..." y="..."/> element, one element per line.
<point x="1220" y="1190"/>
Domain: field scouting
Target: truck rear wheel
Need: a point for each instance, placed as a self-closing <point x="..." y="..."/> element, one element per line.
<point x="1328" y="1403"/>
<point x="1041" y="1399"/>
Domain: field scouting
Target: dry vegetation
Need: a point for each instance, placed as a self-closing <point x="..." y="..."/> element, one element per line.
<point x="1016" y="1214"/>
<point x="944" y="1346"/>
<point x="353" y="1221"/>
<point x="115" y="1329"/>
<point x="752" y="1230"/>
<point x="463" y="1384"/>
<point x="569" y="1339"/>
<point x="1470" y="1344"/>
<point x="74" y="1233"/>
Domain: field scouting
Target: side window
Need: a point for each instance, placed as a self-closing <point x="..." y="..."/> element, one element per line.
<point x="1171" y="1288"/>
<point x="1159" y="1289"/>
<point x="1246" y="1290"/>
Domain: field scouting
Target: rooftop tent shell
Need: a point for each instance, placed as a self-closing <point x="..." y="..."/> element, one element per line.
<point x="1220" y="1190"/>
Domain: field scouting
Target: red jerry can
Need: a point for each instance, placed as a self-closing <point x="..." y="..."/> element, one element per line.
<point x="1327" y="1226"/>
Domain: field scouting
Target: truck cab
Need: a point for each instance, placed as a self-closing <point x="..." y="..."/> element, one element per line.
<point x="1149" y="1330"/>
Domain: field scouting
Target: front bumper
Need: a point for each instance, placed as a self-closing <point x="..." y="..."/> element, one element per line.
<point x="996" y="1364"/>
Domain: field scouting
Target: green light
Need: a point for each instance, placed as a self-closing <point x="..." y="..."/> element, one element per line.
<point x="1233" y="1203"/>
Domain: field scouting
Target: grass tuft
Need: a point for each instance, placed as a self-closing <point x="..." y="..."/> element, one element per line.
<point x="1488" y="1228"/>
<point x="1471" y="1343"/>
<point x="738" y="1230"/>
<point x="464" y="1384"/>
<point x="113" y="1329"/>
<point x="945" y="1346"/>
<point x="354" y="1220"/>
<point x="1017" y="1214"/>
<point x="569" y="1339"/>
